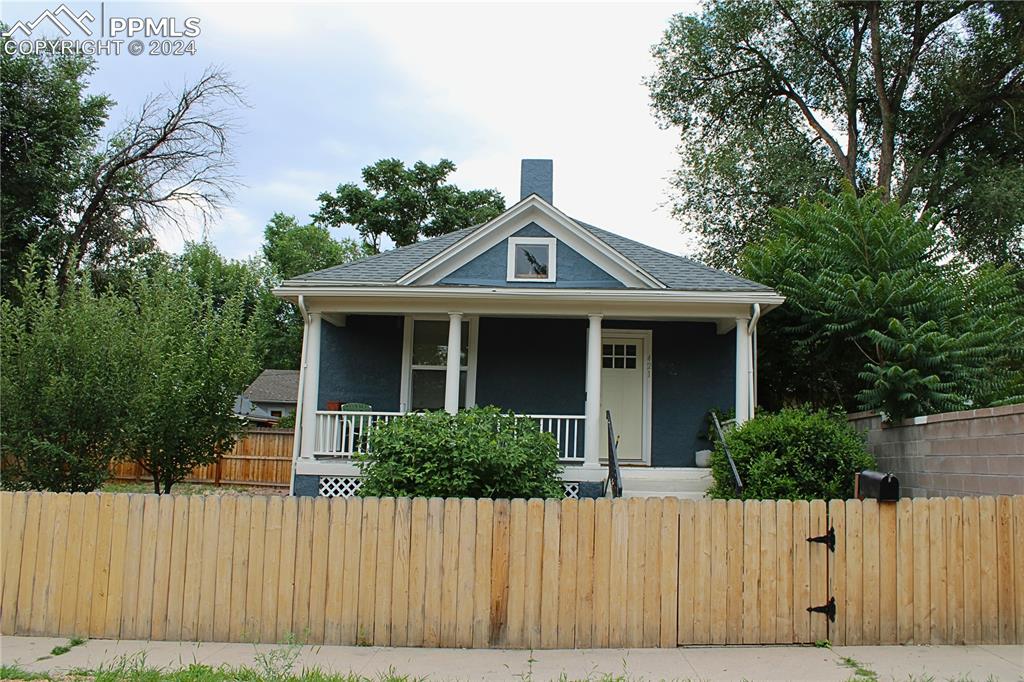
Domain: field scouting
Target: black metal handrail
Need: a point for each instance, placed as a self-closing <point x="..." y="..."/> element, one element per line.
<point x="737" y="482"/>
<point x="614" y="473"/>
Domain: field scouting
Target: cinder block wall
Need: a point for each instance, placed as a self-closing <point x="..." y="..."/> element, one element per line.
<point x="974" y="452"/>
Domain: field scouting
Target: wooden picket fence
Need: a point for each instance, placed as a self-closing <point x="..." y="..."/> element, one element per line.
<point x="499" y="573"/>
<point x="260" y="457"/>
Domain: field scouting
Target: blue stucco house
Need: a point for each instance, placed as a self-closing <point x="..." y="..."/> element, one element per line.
<point x="553" y="318"/>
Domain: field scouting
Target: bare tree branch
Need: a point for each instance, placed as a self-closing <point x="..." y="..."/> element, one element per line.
<point x="167" y="165"/>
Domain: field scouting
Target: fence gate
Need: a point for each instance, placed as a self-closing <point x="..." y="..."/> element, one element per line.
<point x="753" y="572"/>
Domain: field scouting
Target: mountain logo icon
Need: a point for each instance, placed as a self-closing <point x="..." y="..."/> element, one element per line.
<point x="52" y="16"/>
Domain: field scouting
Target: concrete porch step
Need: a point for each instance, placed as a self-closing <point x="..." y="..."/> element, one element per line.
<point x="683" y="482"/>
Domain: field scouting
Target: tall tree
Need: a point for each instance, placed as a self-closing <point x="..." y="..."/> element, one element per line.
<point x="49" y="127"/>
<point x="776" y="99"/>
<point x="880" y="315"/>
<point x="404" y="204"/>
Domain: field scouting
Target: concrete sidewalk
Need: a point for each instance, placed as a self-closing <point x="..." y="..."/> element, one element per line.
<point x="978" y="663"/>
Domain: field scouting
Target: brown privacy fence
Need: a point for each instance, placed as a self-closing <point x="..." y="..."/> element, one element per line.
<point x="538" y="574"/>
<point x="260" y="457"/>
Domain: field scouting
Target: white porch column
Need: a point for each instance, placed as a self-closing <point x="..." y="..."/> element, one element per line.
<point x="744" y="366"/>
<point x="310" y="384"/>
<point x="592" y="442"/>
<point x="454" y="367"/>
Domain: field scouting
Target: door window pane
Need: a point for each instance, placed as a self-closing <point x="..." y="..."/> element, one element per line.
<point x="619" y="356"/>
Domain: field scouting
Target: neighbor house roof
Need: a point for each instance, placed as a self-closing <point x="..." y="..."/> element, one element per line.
<point x="675" y="272"/>
<point x="274" y="386"/>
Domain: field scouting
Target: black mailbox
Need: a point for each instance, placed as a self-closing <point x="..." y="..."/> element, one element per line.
<point x="874" y="485"/>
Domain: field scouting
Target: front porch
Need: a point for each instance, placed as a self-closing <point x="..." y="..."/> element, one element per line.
<point x="658" y="377"/>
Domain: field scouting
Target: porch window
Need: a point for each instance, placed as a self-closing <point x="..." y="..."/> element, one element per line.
<point x="531" y="259"/>
<point x="429" y="363"/>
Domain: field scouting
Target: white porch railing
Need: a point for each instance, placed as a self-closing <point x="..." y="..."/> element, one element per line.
<point x="344" y="434"/>
<point x="568" y="431"/>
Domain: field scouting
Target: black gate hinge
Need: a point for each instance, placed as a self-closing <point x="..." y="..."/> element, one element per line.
<point x="828" y="609"/>
<point x="828" y="539"/>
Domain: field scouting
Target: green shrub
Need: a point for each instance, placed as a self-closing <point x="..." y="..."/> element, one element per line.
<point x="792" y="454"/>
<point x="479" y="452"/>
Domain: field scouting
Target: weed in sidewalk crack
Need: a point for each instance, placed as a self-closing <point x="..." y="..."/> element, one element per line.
<point x="860" y="673"/>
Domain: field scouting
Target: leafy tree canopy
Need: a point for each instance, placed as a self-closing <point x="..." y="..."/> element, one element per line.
<point x="882" y="315"/>
<point x="192" y="358"/>
<point x="48" y="128"/>
<point x="404" y="204"/>
<point x="68" y="365"/>
<point x="777" y="99"/>
<point x="90" y="376"/>
<point x="292" y="249"/>
<point x="289" y="249"/>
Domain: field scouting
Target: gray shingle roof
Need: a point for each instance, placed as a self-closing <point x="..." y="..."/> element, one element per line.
<point x="388" y="267"/>
<point x="274" y="386"/>
<point x="675" y="272"/>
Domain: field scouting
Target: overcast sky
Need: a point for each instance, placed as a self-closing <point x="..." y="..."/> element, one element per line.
<point x="332" y="88"/>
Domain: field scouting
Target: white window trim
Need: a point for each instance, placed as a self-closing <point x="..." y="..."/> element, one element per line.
<point x="549" y="242"/>
<point x="405" y="391"/>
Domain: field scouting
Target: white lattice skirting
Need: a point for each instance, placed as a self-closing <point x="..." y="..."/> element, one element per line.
<point x="348" y="486"/>
<point x="340" y="486"/>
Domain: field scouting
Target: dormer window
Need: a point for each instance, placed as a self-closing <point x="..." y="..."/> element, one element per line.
<point x="531" y="259"/>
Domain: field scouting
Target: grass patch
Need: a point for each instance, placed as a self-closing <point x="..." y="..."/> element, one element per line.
<point x="64" y="648"/>
<point x="13" y="672"/>
<point x="958" y="678"/>
<point x="275" y="665"/>
<point x="860" y="673"/>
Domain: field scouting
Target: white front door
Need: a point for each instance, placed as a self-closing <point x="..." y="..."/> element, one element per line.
<point x="624" y="392"/>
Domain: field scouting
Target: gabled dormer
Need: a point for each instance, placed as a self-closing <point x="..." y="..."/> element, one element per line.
<point x="532" y="245"/>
